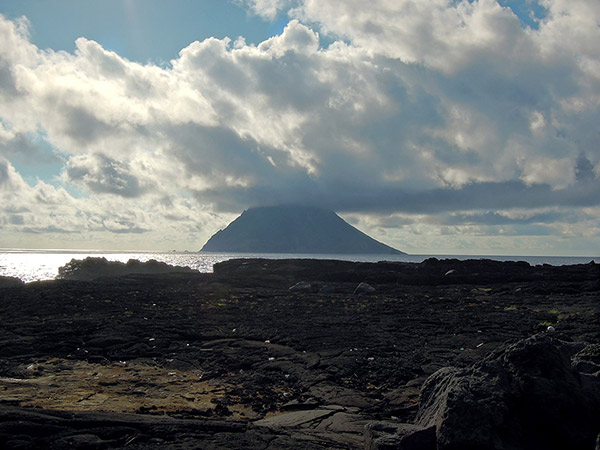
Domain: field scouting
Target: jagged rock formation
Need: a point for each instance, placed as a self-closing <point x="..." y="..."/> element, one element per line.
<point x="293" y="229"/>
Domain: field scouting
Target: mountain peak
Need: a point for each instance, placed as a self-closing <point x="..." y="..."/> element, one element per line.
<point x="293" y="229"/>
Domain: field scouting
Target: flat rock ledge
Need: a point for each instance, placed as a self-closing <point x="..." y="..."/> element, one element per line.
<point x="538" y="393"/>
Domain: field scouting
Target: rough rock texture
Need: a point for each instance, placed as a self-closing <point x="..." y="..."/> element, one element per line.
<point x="528" y="395"/>
<point x="234" y="359"/>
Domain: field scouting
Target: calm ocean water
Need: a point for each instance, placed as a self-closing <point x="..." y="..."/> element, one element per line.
<point x="34" y="265"/>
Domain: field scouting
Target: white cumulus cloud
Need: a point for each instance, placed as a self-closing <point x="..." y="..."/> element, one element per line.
<point x="406" y="110"/>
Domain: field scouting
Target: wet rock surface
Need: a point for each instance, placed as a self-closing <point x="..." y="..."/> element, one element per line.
<point x="236" y="359"/>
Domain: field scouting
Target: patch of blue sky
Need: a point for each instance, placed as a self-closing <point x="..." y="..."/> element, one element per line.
<point x="140" y="30"/>
<point x="529" y="12"/>
<point x="41" y="163"/>
<point x="49" y="173"/>
<point x="72" y="190"/>
<point x="276" y="27"/>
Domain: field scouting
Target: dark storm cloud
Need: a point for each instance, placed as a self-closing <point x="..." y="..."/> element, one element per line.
<point x="357" y="196"/>
<point x="501" y="195"/>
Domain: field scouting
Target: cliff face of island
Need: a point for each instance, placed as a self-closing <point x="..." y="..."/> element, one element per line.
<point x="293" y="229"/>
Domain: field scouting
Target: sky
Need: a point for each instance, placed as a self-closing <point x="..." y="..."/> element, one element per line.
<point x="435" y="126"/>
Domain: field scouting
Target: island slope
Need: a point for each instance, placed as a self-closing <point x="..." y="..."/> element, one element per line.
<point x="293" y="229"/>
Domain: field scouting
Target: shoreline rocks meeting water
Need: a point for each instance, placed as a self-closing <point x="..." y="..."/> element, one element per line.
<point x="299" y="354"/>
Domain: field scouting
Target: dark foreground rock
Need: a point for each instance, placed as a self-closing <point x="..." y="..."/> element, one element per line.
<point x="538" y="393"/>
<point x="10" y="282"/>
<point x="236" y="359"/>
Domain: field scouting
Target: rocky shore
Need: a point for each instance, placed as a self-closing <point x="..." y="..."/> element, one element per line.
<point x="305" y="354"/>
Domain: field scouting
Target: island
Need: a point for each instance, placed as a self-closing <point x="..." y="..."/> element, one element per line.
<point x="293" y="229"/>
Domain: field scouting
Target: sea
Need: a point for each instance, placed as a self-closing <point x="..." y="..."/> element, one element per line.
<point x="38" y="265"/>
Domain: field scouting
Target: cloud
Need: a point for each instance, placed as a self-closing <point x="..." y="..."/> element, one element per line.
<point x="45" y="230"/>
<point x="436" y="111"/>
<point x="520" y="218"/>
<point x="4" y="177"/>
<point x="296" y="38"/>
<point x="26" y="149"/>
<point x="268" y="9"/>
<point x="584" y="170"/>
<point x="101" y="174"/>
<point x="436" y="33"/>
<point x="369" y="196"/>
<point x="43" y="214"/>
<point x="123" y="226"/>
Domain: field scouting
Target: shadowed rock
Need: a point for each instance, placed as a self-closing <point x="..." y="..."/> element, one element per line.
<point x="92" y="268"/>
<point x="403" y="436"/>
<point x="10" y="282"/>
<point x="526" y="396"/>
